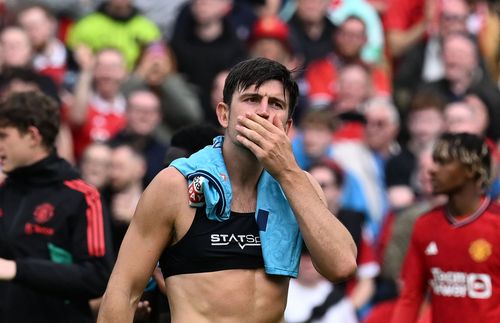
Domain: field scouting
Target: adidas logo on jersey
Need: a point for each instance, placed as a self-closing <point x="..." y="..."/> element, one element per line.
<point x="431" y="249"/>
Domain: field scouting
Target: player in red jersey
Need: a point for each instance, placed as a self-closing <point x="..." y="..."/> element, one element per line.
<point x="453" y="252"/>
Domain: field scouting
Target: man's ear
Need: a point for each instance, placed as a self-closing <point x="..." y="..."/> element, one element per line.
<point x="222" y="111"/>
<point x="35" y="136"/>
<point x="470" y="173"/>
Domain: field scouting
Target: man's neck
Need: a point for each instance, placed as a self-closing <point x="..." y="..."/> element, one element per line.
<point x="464" y="202"/>
<point x="39" y="153"/>
<point x="384" y="152"/>
<point x="313" y="29"/>
<point x="355" y="59"/>
<point x="459" y="87"/>
<point x="108" y="97"/>
<point x="46" y="48"/>
<point x="210" y="31"/>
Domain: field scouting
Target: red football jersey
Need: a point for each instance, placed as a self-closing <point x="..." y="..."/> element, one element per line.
<point x="458" y="262"/>
<point x="98" y="126"/>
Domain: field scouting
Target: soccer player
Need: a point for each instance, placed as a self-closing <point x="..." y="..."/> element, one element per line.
<point x="453" y="250"/>
<point x="232" y="262"/>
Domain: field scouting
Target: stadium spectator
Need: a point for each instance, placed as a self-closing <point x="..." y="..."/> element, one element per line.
<point x="115" y="24"/>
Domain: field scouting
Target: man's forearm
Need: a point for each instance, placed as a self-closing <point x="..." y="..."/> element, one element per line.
<point x="78" y="111"/>
<point x="116" y="307"/>
<point x="331" y="246"/>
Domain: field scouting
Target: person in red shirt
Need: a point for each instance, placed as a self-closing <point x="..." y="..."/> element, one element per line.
<point x="51" y="57"/>
<point x="97" y="112"/>
<point x="452" y="252"/>
<point x="323" y="74"/>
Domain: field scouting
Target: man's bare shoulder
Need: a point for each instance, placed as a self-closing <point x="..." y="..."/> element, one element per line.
<point x="169" y="177"/>
<point x="167" y="194"/>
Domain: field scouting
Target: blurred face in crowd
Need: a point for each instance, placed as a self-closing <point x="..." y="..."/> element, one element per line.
<point x="39" y="26"/>
<point x="120" y="6"/>
<point x="127" y="168"/>
<point x="329" y="184"/>
<point x="308" y="275"/>
<point x="95" y="164"/>
<point x="350" y="38"/>
<point x="317" y="139"/>
<point x="482" y="117"/>
<point x="143" y="113"/>
<point x="109" y="73"/>
<point x="216" y="94"/>
<point x="208" y="11"/>
<point x="425" y="125"/>
<point x="354" y="87"/>
<point x="312" y="11"/>
<point x="16" y="47"/>
<point x="460" y="117"/>
<point x="459" y="58"/>
<point x="453" y="17"/>
<point x="381" y="127"/>
<point x="270" y="48"/>
<point x="425" y="165"/>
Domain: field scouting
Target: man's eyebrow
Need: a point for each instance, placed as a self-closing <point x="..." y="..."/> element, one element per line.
<point x="247" y="94"/>
<point x="278" y="100"/>
<point x="257" y="94"/>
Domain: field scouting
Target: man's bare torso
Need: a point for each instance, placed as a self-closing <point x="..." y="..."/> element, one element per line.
<point x="236" y="295"/>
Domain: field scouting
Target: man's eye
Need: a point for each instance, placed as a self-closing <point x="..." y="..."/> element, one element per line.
<point x="251" y="99"/>
<point x="277" y="105"/>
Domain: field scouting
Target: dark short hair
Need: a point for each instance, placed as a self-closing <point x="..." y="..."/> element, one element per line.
<point x="189" y="139"/>
<point x="257" y="71"/>
<point x="470" y="150"/>
<point x="427" y="98"/>
<point x="27" y="75"/>
<point x="32" y="109"/>
<point x="319" y="118"/>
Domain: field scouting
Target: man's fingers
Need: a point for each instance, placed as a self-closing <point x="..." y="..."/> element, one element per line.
<point x="252" y="146"/>
<point x="260" y="121"/>
<point x="251" y="134"/>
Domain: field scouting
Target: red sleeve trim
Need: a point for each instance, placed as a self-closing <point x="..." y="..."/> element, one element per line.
<point x="95" y="226"/>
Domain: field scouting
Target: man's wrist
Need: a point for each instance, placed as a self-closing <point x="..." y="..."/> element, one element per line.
<point x="289" y="175"/>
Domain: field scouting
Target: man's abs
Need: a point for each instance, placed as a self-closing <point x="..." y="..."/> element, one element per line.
<point x="240" y="295"/>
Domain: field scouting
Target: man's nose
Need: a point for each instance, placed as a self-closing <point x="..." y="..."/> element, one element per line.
<point x="263" y="110"/>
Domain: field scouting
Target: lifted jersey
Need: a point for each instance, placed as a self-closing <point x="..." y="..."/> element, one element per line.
<point x="211" y="246"/>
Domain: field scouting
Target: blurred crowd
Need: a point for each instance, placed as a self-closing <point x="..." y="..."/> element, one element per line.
<point x="138" y="81"/>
